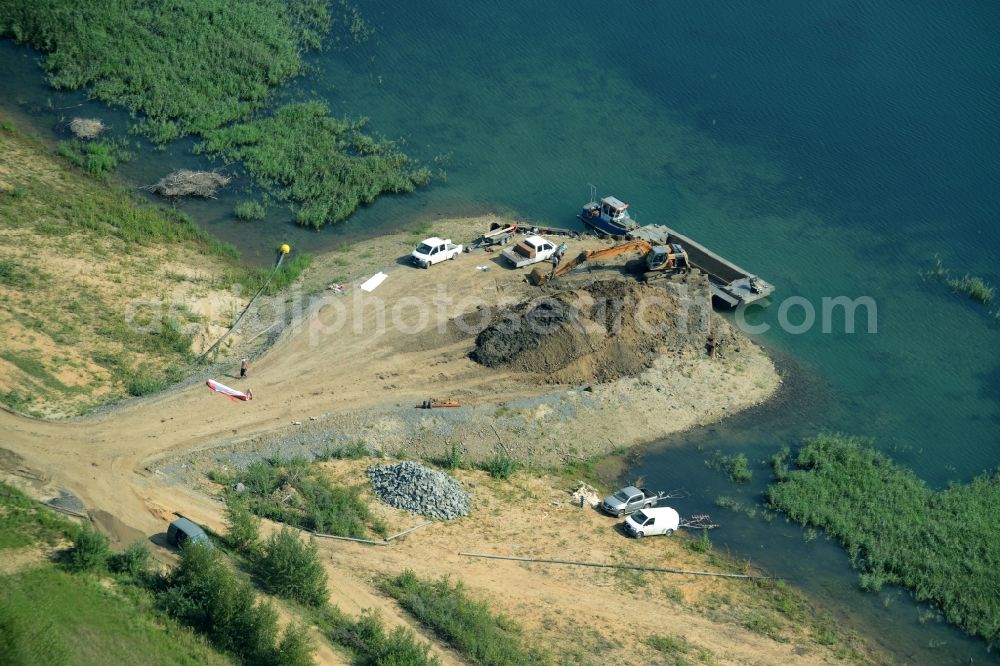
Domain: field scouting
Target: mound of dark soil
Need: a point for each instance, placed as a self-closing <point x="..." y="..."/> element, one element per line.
<point x="599" y="332"/>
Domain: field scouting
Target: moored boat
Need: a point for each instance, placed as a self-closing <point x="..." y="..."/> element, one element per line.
<point x="609" y="217"/>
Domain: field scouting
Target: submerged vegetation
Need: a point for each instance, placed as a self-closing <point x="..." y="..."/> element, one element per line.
<point x="735" y="466"/>
<point x="323" y="166"/>
<point x="974" y="287"/>
<point x="942" y="545"/>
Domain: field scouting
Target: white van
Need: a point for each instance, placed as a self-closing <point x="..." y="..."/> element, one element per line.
<point x="652" y="521"/>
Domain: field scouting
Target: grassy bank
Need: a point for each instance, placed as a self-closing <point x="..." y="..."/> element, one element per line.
<point x="100" y="294"/>
<point x="942" y="545"/>
<point x="53" y="617"/>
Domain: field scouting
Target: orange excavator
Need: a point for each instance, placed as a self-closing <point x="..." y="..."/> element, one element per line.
<point x="661" y="260"/>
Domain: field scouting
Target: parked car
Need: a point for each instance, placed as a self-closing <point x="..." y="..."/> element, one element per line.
<point x="628" y="500"/>
<point x="653" y="521"/>
<point x="433" y="250"/>
<point x="182" y="530"/>
<point x="529" y="251"/>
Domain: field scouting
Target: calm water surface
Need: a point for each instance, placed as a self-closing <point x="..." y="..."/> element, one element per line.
<point x="833" y="147"/>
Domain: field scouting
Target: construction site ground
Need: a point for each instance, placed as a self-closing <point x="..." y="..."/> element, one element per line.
<point x="335" y="375"/>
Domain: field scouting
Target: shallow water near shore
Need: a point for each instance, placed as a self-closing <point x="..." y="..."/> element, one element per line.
<point x="834" y="148"/>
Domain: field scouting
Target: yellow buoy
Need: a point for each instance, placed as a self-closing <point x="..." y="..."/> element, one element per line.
<point x="285" y="248"/>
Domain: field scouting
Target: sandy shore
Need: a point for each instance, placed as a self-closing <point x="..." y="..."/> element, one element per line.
<point x="369" y="379"/>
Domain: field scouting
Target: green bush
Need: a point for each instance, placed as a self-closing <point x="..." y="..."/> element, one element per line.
<point x="98" y="158"/>
<point x="463" y="622"/>
<point x="133" y="561"/>
<point x="289" y="272"/>
<point x="296" y="648"/>
<point x="454" y="458"/>
<point x="290" y="568"/>
<point x="500" y="466"/>
<point x="89" y="551"/>
<point x="316" y="504"/>
<point x="144" y="382"/>
<point x="367" y="638"/>
<point x="354" y="451"/>
<point x="673" y="646"/>
<point x="250" y="210"/>
<point x="942" y="545"/>
<point x="243" y="527"/>
<point x="702" y="544"/>
<point x="204" y="593"/>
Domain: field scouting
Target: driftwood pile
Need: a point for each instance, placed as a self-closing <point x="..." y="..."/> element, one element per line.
<point x="186" y="183"/>
<point x="87" y="128"/>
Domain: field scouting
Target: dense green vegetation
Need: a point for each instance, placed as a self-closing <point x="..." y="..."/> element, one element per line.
<point x="205" y="67"/>
<point x="98" y="158"/>
<point x="90" y="551"/>
<point x="295" y="493"/>
<point x="290" y="568"/>
<point x="323" y="166"/>
<point x="463" y="622"/>
<point x="942" y="545"/>
<point x="186" y="66"/>
<point x="204" y="593"/>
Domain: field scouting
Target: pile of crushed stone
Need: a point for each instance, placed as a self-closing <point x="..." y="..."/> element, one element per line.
<point x="598" y="333"/>
<point x="413" y="487"/>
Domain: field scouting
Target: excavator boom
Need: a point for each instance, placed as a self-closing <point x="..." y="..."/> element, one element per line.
<point x="539" y="276"/>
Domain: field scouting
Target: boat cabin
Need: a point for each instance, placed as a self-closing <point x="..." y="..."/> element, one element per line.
<point x="614" y="209"/>
<point x="608" y="216"/>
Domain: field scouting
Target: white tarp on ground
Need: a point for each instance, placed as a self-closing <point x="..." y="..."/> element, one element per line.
<point x="226" y="391"/>
<point x="374" y="281"/>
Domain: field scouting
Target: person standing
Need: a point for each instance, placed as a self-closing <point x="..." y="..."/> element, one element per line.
<point x="244" y="366"/>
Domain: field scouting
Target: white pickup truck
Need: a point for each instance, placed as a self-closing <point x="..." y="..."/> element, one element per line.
<point x="529" y="251"/>
<point x="434" y="249"/>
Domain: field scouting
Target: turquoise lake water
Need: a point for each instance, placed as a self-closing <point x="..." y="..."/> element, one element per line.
<point x="833" y="147"/>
